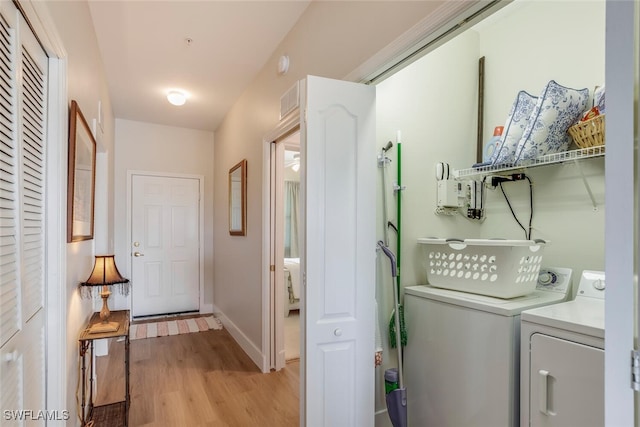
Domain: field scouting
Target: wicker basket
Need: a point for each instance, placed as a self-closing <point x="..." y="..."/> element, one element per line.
<point x="589" y="133"/>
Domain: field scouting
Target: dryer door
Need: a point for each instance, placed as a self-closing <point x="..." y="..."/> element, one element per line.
<point x="566" y="383"/>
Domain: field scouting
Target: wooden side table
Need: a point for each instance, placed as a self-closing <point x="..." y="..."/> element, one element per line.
<point x="113" y="414"/>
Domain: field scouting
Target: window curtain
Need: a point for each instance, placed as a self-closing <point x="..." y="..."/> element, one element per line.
<point x="291" y="216"/>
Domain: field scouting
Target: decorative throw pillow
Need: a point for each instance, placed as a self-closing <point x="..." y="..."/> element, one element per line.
<point x="513" y="129"/>
<point x="557" y="109"/>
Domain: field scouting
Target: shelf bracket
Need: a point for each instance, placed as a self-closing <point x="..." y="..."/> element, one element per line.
<point x="586" y="185"/>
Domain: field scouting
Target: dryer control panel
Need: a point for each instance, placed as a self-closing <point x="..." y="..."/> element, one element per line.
<point x="592" y="284"/>
<point x="556" y="279"/>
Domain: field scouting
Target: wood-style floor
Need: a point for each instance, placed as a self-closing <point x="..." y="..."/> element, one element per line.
<point x="198" y="379"/>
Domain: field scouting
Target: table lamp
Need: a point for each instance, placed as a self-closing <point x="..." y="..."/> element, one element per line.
<point x="105" y="273"/>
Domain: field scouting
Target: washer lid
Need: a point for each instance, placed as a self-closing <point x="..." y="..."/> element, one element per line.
<point x="502" y="307"/>
<point x="582" y="315"/>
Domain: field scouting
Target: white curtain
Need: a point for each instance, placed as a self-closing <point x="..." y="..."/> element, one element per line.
<point x="291" y="215"/>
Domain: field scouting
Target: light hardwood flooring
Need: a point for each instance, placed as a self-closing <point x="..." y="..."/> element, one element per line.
<point x="199" y="379"/>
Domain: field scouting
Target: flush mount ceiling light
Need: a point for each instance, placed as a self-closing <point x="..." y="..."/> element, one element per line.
<point x="177" y="97"/>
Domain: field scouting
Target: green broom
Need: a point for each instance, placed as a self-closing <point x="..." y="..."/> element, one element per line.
<point x="398" y="189"/>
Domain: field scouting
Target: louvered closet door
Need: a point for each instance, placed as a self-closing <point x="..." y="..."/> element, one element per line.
<point x="23" y="84"/>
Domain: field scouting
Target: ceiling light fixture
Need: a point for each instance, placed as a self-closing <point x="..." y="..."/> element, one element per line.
<point x="177" y="97"/>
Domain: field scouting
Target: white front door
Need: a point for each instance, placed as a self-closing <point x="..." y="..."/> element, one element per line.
<point x="338" y="165"/>
<point x="165" y="245"/>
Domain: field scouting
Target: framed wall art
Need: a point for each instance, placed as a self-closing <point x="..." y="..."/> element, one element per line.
<point x="238" y="199"/>
<point x="81" y="177"/>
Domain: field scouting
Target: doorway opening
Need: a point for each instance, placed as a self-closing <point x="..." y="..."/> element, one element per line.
<point x="285" y="249"/>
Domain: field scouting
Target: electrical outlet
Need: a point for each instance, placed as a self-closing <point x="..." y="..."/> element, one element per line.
<point x="496" y="180"/>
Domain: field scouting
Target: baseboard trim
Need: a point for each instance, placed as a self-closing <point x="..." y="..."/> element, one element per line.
<point x="382" y="419"/>
<point x="243" y="341"/>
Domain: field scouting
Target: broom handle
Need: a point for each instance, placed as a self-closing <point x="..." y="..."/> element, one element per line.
<point x="396" y="294"/>
<point x="399" y="217"/>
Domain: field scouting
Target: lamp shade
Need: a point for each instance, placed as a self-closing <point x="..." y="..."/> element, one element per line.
<point x="104" y="272"/>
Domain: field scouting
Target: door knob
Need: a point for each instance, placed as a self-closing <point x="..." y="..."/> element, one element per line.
<point x="137" y="254"/>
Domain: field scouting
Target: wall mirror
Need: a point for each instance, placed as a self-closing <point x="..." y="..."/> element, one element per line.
<point x="238" y="199"/>
<point x="81" y="177"/>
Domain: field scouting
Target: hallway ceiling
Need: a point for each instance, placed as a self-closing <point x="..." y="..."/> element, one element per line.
<point x="145" y="53"/>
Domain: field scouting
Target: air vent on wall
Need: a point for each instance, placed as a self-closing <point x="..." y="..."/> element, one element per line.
<point x="290" y="100"/>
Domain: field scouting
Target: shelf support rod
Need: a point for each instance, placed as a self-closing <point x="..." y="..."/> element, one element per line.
<point x="586" y="184"/>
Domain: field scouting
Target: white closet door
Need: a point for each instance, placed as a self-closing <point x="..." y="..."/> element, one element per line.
<point x="23" y="94"/>
<point x="338" y="161"/>
<point x="9" y="290"/>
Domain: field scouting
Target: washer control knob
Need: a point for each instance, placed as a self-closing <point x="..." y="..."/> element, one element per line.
<point x="547" y="278"/>
<point x="599" y="284"/>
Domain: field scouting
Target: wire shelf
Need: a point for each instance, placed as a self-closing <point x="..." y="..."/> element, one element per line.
<point x="549" y="159"/>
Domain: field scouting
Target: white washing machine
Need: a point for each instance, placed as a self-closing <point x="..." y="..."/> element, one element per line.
<point x="562" y="369"/>
<point x="462" y="360"/>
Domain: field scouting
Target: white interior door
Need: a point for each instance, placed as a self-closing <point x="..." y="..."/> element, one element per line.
<point x="277" y="255"/>
<point x="338" y="165"/>
<point x="165" y="242"/>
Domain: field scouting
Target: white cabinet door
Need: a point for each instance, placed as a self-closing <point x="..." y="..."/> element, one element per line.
<point x="566" y="383"/>
<point x="338" y="164"/>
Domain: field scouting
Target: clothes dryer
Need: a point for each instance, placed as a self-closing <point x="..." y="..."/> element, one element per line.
<point x="562" y="351"/>
<point x="462" y="361"/>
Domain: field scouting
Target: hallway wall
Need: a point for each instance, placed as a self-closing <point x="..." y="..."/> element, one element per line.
<point x="331" y="39"/>
<point x="86" y="83"/>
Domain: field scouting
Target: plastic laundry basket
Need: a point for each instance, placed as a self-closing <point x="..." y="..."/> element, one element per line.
<point x="498" y="268"/>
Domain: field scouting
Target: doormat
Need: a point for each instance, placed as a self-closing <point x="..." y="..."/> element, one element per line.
<point x="163" y="328"/>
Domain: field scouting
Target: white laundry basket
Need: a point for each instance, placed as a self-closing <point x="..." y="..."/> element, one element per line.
<point x="497" y="268"/>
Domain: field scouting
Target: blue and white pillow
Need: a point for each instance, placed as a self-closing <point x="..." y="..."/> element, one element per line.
<point x="513" y="129"/>
<point x="598" y="98"/>
<point x="557" y="109"/>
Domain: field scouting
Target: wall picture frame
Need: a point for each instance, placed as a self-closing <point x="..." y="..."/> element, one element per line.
<point x="238" y="199"/>
<point x="81" y="177"/>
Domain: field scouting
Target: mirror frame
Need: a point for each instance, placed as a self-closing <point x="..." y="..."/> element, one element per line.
<point x="241" y="199"/>
<point x="81" y="179"/>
